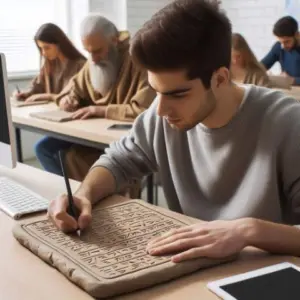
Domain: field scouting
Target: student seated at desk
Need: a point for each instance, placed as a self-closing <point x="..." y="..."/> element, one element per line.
<point x="61" y="61"/>
<point x="109" y="86"/>
<point x="227" y="154"/>
<point x="244" y="67"/>
<point x="287" y="50"/>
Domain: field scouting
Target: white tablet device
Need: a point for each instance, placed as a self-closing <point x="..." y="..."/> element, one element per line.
<point x="277" y="282"/>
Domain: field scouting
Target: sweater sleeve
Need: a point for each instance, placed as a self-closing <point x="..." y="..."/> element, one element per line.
<point x="76" y="88"/>
<point x="37" y="85"/>
<point x="133" y="156"/>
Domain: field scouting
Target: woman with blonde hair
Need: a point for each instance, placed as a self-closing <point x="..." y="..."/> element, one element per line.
<point x="245" y="68"/>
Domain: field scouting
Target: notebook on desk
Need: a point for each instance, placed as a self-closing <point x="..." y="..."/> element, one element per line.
<point x="53" y="115"/>
<point x="20" y="103"/>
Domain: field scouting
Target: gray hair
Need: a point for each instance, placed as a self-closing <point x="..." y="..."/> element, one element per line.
<point x="95" y="23"/>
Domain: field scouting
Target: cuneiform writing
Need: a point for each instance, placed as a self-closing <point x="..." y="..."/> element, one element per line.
<point x="115" y="243"/>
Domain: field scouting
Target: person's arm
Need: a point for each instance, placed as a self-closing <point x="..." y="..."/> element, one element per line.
<point x="272" y="57"/>
<point x="76" y="89"/>
<point x="130" y="158"/>
<point x="272" y="237"/>
<point x="37" y="85"/>
<point x="98" y="184"/>
<point x="219" y="239"/>
<point x="142" y="99"/>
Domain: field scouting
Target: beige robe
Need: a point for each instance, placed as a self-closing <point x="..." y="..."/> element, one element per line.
<point x="61" y="73"/>
<point x="129" y="96"/>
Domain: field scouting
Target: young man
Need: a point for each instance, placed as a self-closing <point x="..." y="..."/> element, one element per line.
<point x="226" y="154"/>
<point x="287" y="50"/>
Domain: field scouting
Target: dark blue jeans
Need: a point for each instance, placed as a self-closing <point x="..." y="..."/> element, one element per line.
<point x="46" y="151"/>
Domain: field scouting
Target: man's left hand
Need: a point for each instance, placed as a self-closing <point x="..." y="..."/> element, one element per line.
<point x="216" y="239"/>
<point x="89" y="112"/>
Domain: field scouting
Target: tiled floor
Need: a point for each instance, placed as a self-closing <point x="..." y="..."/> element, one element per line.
<point x="161" y="198"/>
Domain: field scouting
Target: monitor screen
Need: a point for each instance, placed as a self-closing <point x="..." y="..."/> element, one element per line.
<point x="7" y="142"/>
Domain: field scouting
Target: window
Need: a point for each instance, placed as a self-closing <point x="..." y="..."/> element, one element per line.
<point x="19" y="21"/>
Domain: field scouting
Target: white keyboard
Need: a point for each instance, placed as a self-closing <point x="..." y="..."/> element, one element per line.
<point x="16" y="200"/>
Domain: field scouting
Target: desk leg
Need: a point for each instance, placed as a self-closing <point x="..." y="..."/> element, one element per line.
<point x="19" y="145"/>
<point x="150" y="189"/>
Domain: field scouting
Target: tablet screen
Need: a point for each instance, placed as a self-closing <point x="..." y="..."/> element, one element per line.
<point x="278" y="285"/>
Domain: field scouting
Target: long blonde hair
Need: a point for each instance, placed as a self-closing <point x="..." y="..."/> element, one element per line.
<point x="239" y="43"/>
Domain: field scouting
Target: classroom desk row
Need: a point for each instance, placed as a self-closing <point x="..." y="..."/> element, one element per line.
<point x="24" y="276"/>
<point x="91" y="132"/>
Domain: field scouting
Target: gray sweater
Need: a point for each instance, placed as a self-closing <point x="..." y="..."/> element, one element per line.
<point x="248" y="168"/>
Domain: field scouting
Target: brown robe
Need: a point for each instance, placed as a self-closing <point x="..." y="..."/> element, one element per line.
<point x="128" y="97"/>
<point x="61" y="73"/>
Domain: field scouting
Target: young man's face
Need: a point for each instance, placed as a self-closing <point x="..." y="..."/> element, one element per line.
<point x="287" y="42"/>
<point x="182" y="102"/>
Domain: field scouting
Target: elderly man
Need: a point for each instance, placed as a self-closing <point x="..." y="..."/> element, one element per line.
<point x="108" y="86"/>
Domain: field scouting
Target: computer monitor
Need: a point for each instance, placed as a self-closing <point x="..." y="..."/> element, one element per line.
<point x="7" y="136"/>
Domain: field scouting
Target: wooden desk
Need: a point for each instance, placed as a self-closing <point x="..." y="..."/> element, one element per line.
<point x="91" y="132"/>
<point x="24" y="276"/>
<point x="293" y="92"/>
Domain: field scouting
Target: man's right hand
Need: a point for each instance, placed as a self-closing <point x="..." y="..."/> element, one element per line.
<point x="57" y="212"/>
<point x="68" y="103"/>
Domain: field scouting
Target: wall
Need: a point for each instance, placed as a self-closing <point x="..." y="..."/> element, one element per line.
<point x="128" y="14"/>
<point x="114" y="10"/>
<point x="255" y="19"/>
<point x="139" y="11"/>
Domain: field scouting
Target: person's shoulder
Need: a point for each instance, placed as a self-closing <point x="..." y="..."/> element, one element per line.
<point x="79" y="63"/>
<point x="276" y="47"/>
<point x="276" y="105"/>
<point x="272" y="97"/>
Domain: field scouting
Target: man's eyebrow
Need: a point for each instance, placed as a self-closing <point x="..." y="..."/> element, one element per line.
<point x="173" y="92"/>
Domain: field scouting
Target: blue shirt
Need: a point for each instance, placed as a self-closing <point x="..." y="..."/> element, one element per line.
<point x="289" y="60"/>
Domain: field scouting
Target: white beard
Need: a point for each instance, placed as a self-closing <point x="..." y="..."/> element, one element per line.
<point x="104" y="74"/>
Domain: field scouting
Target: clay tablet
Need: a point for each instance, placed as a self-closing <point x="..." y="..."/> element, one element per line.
<point x="109" y="258"/>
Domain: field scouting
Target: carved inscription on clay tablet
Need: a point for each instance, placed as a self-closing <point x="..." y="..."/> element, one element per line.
<point x="115" y="243"/>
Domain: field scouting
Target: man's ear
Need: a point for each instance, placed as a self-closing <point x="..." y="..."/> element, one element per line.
<point x="220" y="78"/>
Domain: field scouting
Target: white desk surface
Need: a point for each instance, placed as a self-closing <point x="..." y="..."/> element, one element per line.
<point x="24" y="276"/>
